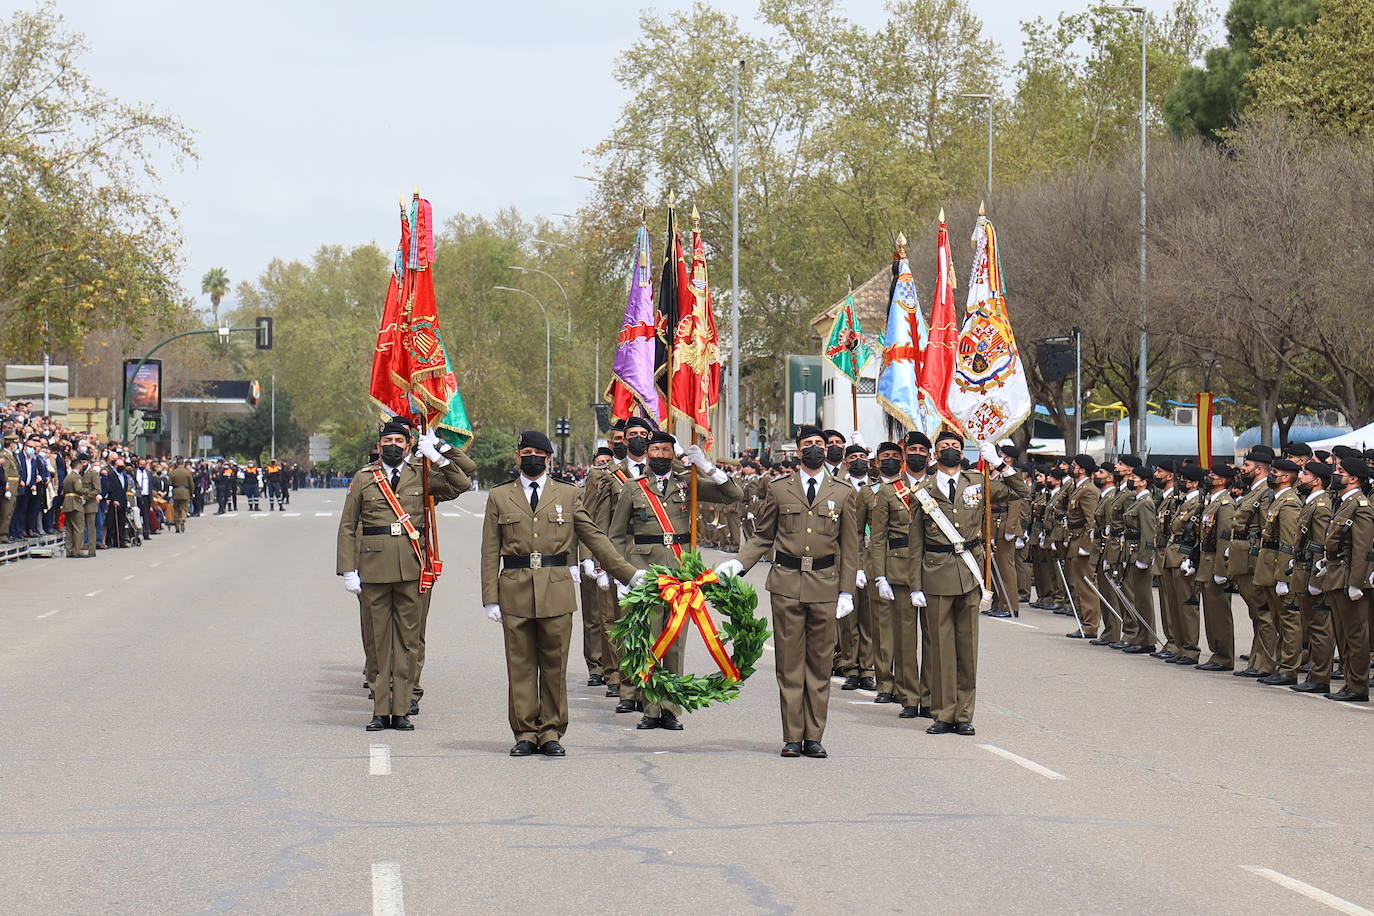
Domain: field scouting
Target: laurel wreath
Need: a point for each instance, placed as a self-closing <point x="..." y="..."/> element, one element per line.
<point x="741" y="632"/>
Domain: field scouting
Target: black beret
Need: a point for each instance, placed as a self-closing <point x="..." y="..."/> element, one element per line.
<point x="1024" y="468"/>
<point x="1225" y="470"/>
<point x="1318" y="469"/>
<point x="1298" y="449"/>
<point x="1145" y="471"/>
<point x="1261" y="453"/>
<point x="1368" y="454"/>
<point x="833" y="434"/>
<point x="618" y="424"/>
<point x="659" y="436"/>
<point x="1056" y="472"/>
<point x="856" y="450"/>
<point x="1131" y="461"/>
<point x="1011" y="452"/>
<point x="949" y="434"/>
<point x="1085" y="462"/>
<point x="638" y="423"/>
<point x="532" y="438"/>
<point x="604" y="451"/>
<point x="887" y="447"/>
<point x="1167" y="465"/>
<point x="396" y="426"/>
<point x="806" y="430"/>
<point x="1345" y="451"/>
<point x="1356" y="467"/>
<point x="1284" y="464"/>
<point x="1194" y="472"/>
<point x="1322" y="455"/>
<point x="916" y="437"/>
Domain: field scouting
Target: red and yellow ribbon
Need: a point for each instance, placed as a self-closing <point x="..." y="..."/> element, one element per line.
<point x="685" y="598"/>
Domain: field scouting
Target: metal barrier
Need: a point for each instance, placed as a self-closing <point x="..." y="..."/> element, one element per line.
<point x="49" y="545"/>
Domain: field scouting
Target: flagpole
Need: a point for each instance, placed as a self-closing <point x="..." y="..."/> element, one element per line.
<point x="692" y="486"/>
<point x="854" y="382"/>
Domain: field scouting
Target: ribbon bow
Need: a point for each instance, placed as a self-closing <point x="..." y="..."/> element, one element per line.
<point x="685" y="598"/>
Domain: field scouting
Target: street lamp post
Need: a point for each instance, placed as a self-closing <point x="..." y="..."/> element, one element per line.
<point x="1142" y="370"/>
<point x="732" y="411"/>
<point x="567" y="306"/>
<point x="986" y="97"/>
<point x="548" y="346"/>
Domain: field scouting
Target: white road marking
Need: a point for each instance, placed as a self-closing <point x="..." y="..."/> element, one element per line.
<point x="290" y="515"/>
<point x="1022" y="761"/>
<point x="49" y="613"/>
<point x="260" y="515"/>
<point x="451" y="515"/>
<point x="154" y="565"/>
<point x="326" y="501"/>
<point x="94" y="593"/>
<point x="323" y="514"/>
<point x="1015" y="623"/>
<point x="1308" y="891"/>
<point x="379" y="760"/>
<point x="386" y="889"/>
<point x="128" y="577"/>
<point x="470" y="512"/>
<point x="1359" y="707"/>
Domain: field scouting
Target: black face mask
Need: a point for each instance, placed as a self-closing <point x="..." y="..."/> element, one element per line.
<point x="533" y="465"/>
<point x="1271" y="480"/>
<point x="1304" y="490"/>
<point x="834" y="454"/>
<point x="889" y="467"/>
<point x="619" y="450"/>
<point x="660" y="466"/>
<point x="916" y="464"/>
<point x="392" y="454"/>
<point x="858" y="469"/>
<point x="637" y="445"/>
<point x="951" y="457"/>
<point x="812" y="457"/>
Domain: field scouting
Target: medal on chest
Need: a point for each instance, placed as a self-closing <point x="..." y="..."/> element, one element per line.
<point x="558" y="514"/>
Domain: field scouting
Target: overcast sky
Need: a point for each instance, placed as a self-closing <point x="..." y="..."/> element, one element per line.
<point x="312" y="117"/>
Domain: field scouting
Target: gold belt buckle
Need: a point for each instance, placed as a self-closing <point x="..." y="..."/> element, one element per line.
<point x="808" y="564"/>
<point x="395" y="529"/>
<point x="536" y="561"/>
<point x="667" y="540"/>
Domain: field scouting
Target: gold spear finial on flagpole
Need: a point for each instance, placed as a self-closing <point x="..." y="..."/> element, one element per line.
<point x="901" y="245"/>
<point x="982" y="208"/>
<point x="416" y="193"/>
<point x="942" y="214"/>
<point x="696" y="219"/>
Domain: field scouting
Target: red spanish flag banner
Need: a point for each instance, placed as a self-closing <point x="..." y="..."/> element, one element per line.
<point x="1204" y="429"/>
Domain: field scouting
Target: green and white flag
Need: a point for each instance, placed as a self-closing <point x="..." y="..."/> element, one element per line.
<point x="847" y="347"/>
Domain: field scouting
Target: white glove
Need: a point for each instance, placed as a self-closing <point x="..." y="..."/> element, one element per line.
<point x="858" y="440"/>
<point x="1226" y="554"/>
<point x="1104" y="565"/>
<point x="990" y="454"/>
<point x="428" y="446"/>
<point x="696" y="456"/>
<point x="1281" y="588"/>
<point x="1042" y="539"/>
<point x="589" y="566"/>
<point x="861" y="579"/>
<point x="844" y="606"/>
<point x="1010" y="535"/>
<point x="1313" y="590"/>
<point x="1355" y="593"/>
<point x="730" y="568"/>
<point x="639" y="576"/>
<point x="1084" y="552"/>
<point x="1219" y="580"/>
<point x="603" y="581"/>
<point x="620" y="592"/>
<point x="1319" y="567"/>
<point x="576" y="574"/>
<point x="918" y="599"/>
<point x="678" y="450"/>
<point x="352" y="584"/>
<point x="1020" y="543"/>
<point x="1187" y="568"/>
<point x="1141" y="564"/>
<point x="884" y="590"/>
<point x="493" y="612"/>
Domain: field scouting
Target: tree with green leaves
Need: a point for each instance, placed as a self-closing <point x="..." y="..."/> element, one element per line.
<point x="1320" y="73"/>
<point x="215" y="284"/>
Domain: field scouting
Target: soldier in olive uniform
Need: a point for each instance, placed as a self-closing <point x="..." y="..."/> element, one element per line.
<point x="1140" y="530"/>
<point x="1108" y="522"/>
<point x="1243" y="551"/>
<point x="378" y="560"/>
<point x="1345" y="577"/>
<point x="1215" y="536"/>
<point x="74" y="507"/>
<point x="183" y="482"/>
<point x="642" y="539"/>
<point x="529" y="537"/>
<point x="1170" y="495"/>
<point x="593" y="621"/>
<point x="854" y="654"/>
<point x="891" y="461"/>
<point x="1181" y="559"/>
<point x="1008" y="525"/>
<point x="1080" y="516"/>
<point x="809" y="528"/>
<point x="946" y="574"/>
<point x="1278" y="532"/>
<point x="1313" y="522"/>
<point x="9" y="485"/>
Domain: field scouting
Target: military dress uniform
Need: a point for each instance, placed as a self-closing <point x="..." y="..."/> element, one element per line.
<point x="372" y="541"/>
<point x="1169" y="500"/>
<point x="74" y="508"/>
<point x="854" y="652"/>
<point x="1080" y="518"/>
<point x="1241" y="563"/>
<point x="1180" y="547"/>
<point x="183" y="482"/>
<point x="890" y="559"/>
<point x="1349" y="562"/>
<point x="1140" y="529"/>
<point x="1214" y="535"/>
<point x="814" y="546"/>
<point x="952" y="590"/>
<point x="602" y="498"/>
<point x="1107" y="565"/>
<point x="526" y="552"/>
<point x="640" y="538"/>
<point x="9" y="485"/>
<point x="1317" y="635"/>
<point x="1008" y="523"/>
<point x="1278" y="533"/>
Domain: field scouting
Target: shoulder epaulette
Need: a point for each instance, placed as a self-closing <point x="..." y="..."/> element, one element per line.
<point x="503" y="483"/>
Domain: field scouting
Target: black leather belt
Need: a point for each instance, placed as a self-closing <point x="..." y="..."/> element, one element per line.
<point x="1273" y="544"/>
<point x="895" y="543"/>
<point x="666" y="540"/>
<point x="1075" y="526"/>
<point x="805" y="564"/>
<point x="1001" y="511"/>
<point x="395" y="529"/>
<point x="949" y="548"/>
<point x="534" y="560"/>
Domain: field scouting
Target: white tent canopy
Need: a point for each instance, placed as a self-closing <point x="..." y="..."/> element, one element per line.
<point x="1361" y="438"/>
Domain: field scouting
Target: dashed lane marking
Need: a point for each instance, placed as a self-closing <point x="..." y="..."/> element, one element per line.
<point x="1338" y="904"/>
<point x="323" y="514"/>
<point x="1015" y="623"/>
<point x="290" y="515"/>
<point x="387" y="899"/>
<point x="94" y="593"/>
<point x="379" y="760"/>
<point x="1023" y="762"/>
<point x="49" y="613"/>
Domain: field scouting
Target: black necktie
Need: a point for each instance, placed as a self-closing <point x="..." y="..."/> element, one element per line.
<point x="811" y="491"/>
<point x="639" y="470"/>
<point x="395" y="479"/>
<point x="951" y="491"/>
<point x="534" y="496"/>
<point x="663" y="486"/>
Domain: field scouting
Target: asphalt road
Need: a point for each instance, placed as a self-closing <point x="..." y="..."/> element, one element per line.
<point x="186" y="736"/>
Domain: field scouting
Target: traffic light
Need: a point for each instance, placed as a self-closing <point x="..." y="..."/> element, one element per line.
<point x="264" y="325"/>
<point x="562" y="426"/>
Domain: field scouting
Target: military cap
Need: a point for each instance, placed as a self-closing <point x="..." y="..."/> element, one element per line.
<point x="638" y="423"/>
<point x="659" y="436"/>
<point x="1298" y="450"/>
<point x="1010" y="451"/>
<point x="1131" y="461"/>
<point x="807" y="430"/>
<point x="1224" y="470"/>
<point x="396" y="426"/>
<point x="532" y="438"/>
<point x="603" y="450"/>
<point x="1167" y="465"/>
<point x="1085" y="462"/>
<point x="1055" y="471"/>
<point x="833" y="434"/>
<point x="1145" y="471"/>
<point x="1194" y="472"/>
<point x="618" y="424"/>
<point x="1368" y="454"/>
<point x="1261" y="453"/>
<point x="1318" y="469"/>
<point x="1345" y="451"/>
<point x="1356" y="467"/>
<point x="1287" y="465"/>
<point x="1322" y="455"/>
<point x="916" y="437"/>
<point x="948" y="435"/>
<point x="856" y="450"/>
<point x="887" y="447"/>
